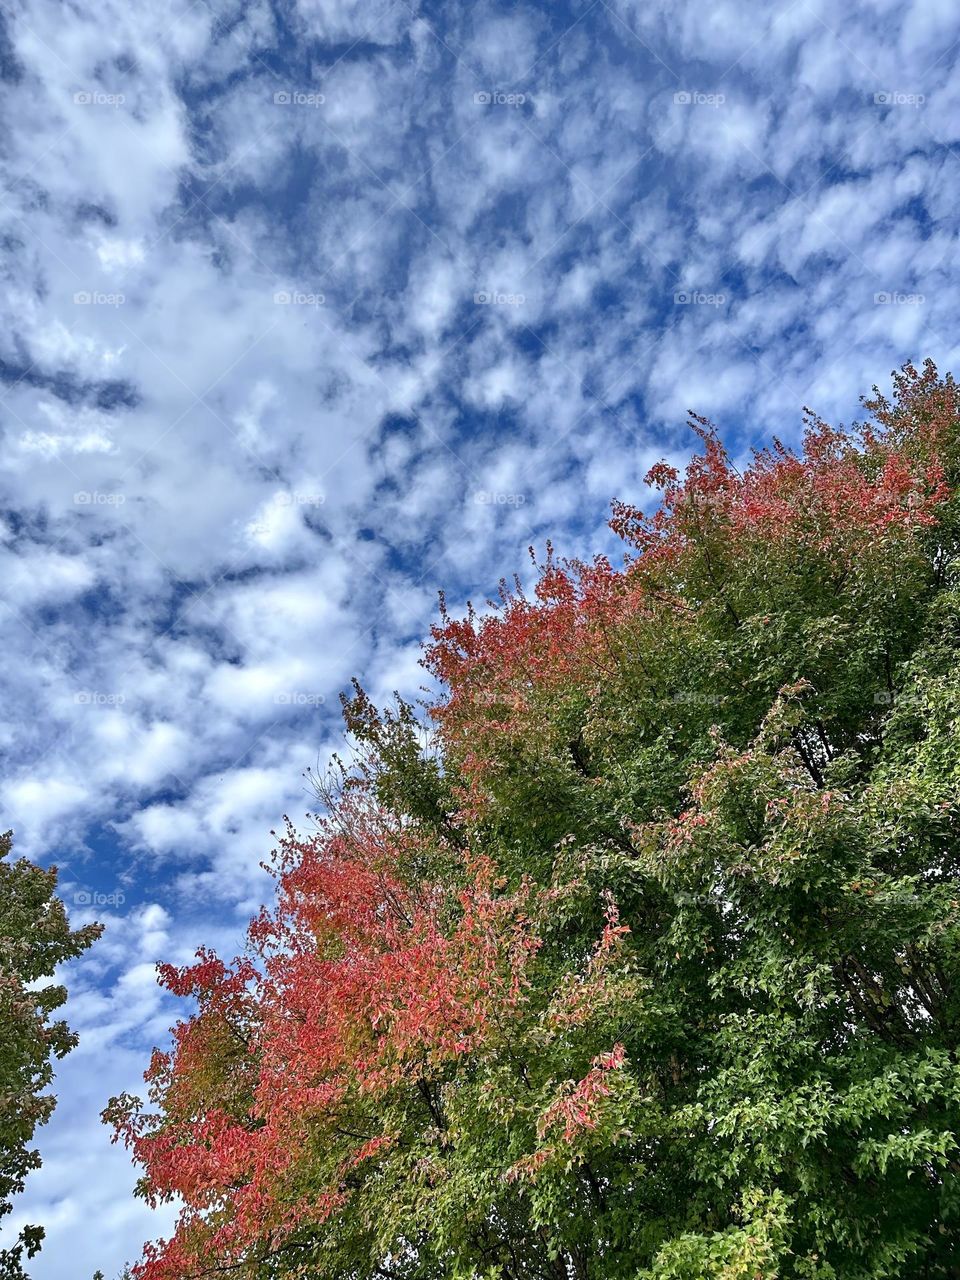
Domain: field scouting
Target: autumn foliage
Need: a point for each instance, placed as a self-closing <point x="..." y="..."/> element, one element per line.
<point x="640" y="957"/>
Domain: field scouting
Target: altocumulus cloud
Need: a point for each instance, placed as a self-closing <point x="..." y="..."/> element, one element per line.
<point x="312" y="308"/>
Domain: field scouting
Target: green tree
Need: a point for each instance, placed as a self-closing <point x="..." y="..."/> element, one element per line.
<point x="35" y="937"/>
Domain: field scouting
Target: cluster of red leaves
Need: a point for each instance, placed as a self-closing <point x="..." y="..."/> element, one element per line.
<point x="576" y="1109"/>
<point x="402" y="985"/>
<point x="844" y="490"/>
<point x="363" y="983"/>
<point x="805" y="501"/>
<point x="497" y="667"/>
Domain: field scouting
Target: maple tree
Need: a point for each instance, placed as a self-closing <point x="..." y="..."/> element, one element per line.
<point x="641" y="959"/>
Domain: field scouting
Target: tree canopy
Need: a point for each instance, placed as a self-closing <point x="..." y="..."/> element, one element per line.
<point x="641" y="959"/>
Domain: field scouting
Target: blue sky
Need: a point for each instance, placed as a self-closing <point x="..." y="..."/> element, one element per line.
<point x="313" y="308"/>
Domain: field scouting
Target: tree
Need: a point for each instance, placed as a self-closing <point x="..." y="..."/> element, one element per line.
<point x="35" y="937"/>
<point x="646" y="965"/>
